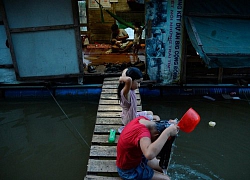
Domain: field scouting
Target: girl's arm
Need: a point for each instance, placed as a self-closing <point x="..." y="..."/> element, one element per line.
<point x="128" y="84"/>
<point x="152" y="149"/>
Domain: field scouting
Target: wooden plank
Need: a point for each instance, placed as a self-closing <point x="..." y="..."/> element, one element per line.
<point x="117" y="120"/>
<point x="114" y="91"/>
<point x="115" y="83"/>
<point x="109" y="101"/>
<point x="105" y="128"/>
<point x="111" y="79"/>
<point x="112" y="114"/>
<point x="110" y="86"/>
<point x="90" y="177"/>
<point x="114" y="101"/>
<point x="107" y="96"/>
<point x="103" y="139"/>
<point x="113" y="108"/>
<point x="115" y="96"/>
<point x="108" y="114"/>
<point x="103" y="151"/>
<point x="101" y="165"/>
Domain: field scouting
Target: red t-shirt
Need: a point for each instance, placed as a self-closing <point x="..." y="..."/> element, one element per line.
<point x="129" y="154"/>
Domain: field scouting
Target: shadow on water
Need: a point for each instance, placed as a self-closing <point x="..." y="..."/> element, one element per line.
<point x="37" y="140"/>
<point x="220" y="152"/>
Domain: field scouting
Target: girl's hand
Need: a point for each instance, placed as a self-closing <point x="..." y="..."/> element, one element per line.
<point x="173" y="121"/>
<point x="173" y="130"/>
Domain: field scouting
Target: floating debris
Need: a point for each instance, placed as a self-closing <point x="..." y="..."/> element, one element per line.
<point x="212" y="123"/>
<point x="210" y="98"/>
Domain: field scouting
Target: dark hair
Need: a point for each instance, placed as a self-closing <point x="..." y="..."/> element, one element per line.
<point x="162" y="125"/>
<point x="113" y="41"/>
<point x="137" y="24"/>
<point x="114" y="27"/>
<point x="132" y="72"/>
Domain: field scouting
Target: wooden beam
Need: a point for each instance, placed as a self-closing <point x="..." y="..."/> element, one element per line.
<point x="9" y="39"/>
<point x="42" y="28"/>
<point x="220" y="74"/>
<point x="77" y="35"/>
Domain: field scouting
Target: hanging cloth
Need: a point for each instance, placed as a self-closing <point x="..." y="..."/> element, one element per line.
<point x="119" y="19"/>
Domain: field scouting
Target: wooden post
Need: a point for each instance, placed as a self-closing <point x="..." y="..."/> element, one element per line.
<point x="220" y="75"/>
<point x="113" y="5"/>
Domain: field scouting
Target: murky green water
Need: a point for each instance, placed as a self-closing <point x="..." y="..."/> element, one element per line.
<point x="38" y="141"/>
<point x="208" y="153"/>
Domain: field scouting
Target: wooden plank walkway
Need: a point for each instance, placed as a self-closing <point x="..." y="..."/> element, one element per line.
<point x="102" y="157"/>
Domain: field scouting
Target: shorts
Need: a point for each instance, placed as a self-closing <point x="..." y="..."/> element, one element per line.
<point x="142" y="171"/>
<point x="144" y="113"/>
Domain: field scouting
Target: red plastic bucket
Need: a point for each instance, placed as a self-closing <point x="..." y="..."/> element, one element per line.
<point x="189" y="121"/>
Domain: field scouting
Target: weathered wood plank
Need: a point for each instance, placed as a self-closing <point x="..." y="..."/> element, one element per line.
<point x="114" y="87"/>
<point x="111" y="79"/>
<point x="108" y="114"/>
<point x="114" y="101"/>
<point x="113" y="107"/>
<point x="109" y="101"/>
<point x="115" y="96"/>
<point x="112" y="114"/>
<point x="100" y="120"/>
<point x="107" y="96"/>
<point x="103" y="139"/>
<point x="105" y="128"/>
<point x="90" y="177"/>
<point x="111" y="82"/>
<point x="101" y="165"/>
<point x="110" y="86"/>
<point x="114" y="91"/>
<point x="103" y="151"/>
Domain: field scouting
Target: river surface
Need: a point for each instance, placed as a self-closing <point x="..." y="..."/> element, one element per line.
<point x="221" y="152"/>
<point x="43" y="138"/>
